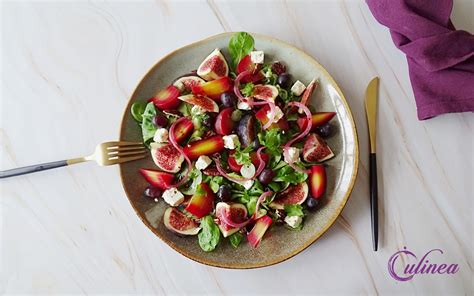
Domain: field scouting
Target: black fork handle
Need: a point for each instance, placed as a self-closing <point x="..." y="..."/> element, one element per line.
<point x="374" y="214"/>
<point x="32" y="169"/>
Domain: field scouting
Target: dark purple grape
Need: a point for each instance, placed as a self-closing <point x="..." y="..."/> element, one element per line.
<point x="152" y="192"/>
<point x="312" y="203"/>
<point x="266" y="176"/>
<point x="284" y="80"/>
<point x="224" y="193"/>
<point x="278" y="68"/>
<point x="324" y="130"/>
<point x="160" y="120"/>
<point x="228" y="99"/>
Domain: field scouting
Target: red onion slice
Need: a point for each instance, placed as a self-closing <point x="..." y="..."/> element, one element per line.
<point x="227" y="176"/>
<point x="272" y="114"/>
<point x="261" y="164"/>
<point x="259" y="201"/>
<point x="237" y="85"/>
<point x="300" y="136"/>
<point x="175" y="144"/>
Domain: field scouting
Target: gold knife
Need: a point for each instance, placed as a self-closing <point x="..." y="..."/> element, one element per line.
<point x="371" y="95"/>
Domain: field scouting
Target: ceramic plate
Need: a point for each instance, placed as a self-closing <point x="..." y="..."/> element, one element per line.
<point x="281" y="243"/>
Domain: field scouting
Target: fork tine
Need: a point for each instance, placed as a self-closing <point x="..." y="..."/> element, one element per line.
<point x="125" y="159"/>
<point x="121" y="144"/>
<point x="126" y="148"/>
<point x="121" y="154"/>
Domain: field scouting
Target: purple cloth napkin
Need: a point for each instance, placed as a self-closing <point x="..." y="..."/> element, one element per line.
<point x="440" y="58"/>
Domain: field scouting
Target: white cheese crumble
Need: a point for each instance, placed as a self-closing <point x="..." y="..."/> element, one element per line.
<point x="293" y="221"/>
<point x="247" y="184"/>
<point x="247" y="171"/>
<point x="173" y="197"/>
<point x="196" y="110"/>
<point x="293" y="155"/>
<point x="203" y="162"/>
<point x="298" y="88"/>
<point x="231" y="141"/>
<point x="278" y="114"/>
<point x="243" y="106"/>
<point x="161" y="135"/>
<point x="257" y="56"/>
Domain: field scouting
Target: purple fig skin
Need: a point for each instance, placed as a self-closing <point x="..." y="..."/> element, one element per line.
<point x="246" y="130"/>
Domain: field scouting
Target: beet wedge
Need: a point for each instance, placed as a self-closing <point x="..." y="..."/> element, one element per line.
<point x="207" y="146"/>
<point x="256" y="234"/>
<point x="158" y="179"/>
<point x="202" y="202"/>
<point x="317" y="180"/>
<point x="317" y="119"/>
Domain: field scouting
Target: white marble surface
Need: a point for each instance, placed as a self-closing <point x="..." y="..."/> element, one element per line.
<point x="68" y="69"/>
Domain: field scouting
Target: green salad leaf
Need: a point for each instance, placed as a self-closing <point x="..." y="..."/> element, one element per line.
<point x="240" y="45"/>
<point x="148" y="128"/>
<point x="294" y="210"/>
<point x="235" y="239"/>
<point x="210" y="235"/>
<point x="243" y="156"/>
<point x="288" y="174"/>
<point x="137" y="110"/>
<point x="247" y="89"/>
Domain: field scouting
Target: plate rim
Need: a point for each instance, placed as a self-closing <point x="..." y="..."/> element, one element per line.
<point x="330" y="221"/>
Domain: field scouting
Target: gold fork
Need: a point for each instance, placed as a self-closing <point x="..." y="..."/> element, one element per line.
<point x="108" y="153"/>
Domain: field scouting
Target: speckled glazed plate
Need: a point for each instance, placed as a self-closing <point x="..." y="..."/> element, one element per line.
<point x="281" y="243"/>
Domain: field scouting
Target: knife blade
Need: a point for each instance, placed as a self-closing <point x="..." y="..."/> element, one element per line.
<point x="371" y="96"/>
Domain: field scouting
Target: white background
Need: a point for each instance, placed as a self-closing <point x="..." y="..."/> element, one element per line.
<point x="68" y="69"/>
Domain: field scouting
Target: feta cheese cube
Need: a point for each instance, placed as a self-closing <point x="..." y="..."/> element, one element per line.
<point x="161" y="135"/>
<point x="278" y="114"/>
<point x="247" y="184"/>
<point x="196" y="110"/>
<point x="293" y="155"/>
<point x="298" y="88"/>
<point x="257" y="56"/>
<point x="293" y="221"/>
<point x="203" y="162"/>
<point x="231" y="141"/>
<point x="243" y="106"/>
<point x="173" y="197"/>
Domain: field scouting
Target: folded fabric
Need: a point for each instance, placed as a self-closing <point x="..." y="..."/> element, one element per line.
<point x="440" y="58"/>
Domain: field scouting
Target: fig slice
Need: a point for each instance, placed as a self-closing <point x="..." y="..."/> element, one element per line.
<point x="202" y="101"/>
<point x="206" y="146"/>
<point x="238" y="214"/>
<point x="317" y="119"/>
<point x="224" y="124"/>
<point x="214" y="66"/>
<point x="308" y="92"/>
<point x="315" y="149"/>
<point x="158" y="179"/>
<point x="166" y="157"/>
<point x="178" y="222"/>
<point x="256" y="234"/>
<point x="186" y="83"/>
<point x="214" y="88"/>
<point x="265" y="92"/>
<point x="167" y="98"/>
<point x="246" y="64"/>
<point x="293" y="195"/>
<point x="317" y="180"/>
<point x="202" y="202"/>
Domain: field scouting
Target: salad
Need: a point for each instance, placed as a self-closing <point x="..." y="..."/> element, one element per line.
<point x="237" y="148"/>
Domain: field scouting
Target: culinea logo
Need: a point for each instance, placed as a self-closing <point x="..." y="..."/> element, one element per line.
<point x="423" y="266"/>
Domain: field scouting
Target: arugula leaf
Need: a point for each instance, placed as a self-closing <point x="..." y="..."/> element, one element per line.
<point x="240" y="45"/>
<point x="215" y="182"/>
<point x="243" y="156"/>
<point x="185" y="109"/>
<point x="294" y="210"/>
<point x="247" y="90"/>
<point x="235" y="239"/>
<point x="270" y="78"/>
<point x="148" y="128"/>
<point x="288" y="174"/>
<point x="195" y="177"/>
<point x="137" y="110"/>
<point x="210" y="235"/>
<point x="274" y="186"/>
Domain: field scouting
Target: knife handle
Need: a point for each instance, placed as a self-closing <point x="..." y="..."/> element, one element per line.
<point x="374" y="215"/>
